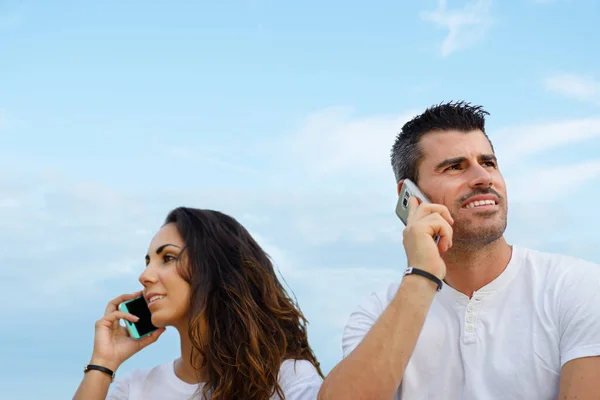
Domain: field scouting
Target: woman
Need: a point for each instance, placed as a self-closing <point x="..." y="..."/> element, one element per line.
<point x="242" y="337"/>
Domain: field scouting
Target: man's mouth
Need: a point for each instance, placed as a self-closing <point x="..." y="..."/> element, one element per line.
<point x="480" y="203"/>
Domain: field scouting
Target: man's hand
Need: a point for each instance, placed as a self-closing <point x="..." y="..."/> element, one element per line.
<point x="426" y="220"/>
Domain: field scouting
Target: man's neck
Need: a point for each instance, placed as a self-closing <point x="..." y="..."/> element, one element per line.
<point x="469" y="270"/>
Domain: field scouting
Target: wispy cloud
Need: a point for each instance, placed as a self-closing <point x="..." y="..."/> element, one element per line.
<point x="341" y="146"/>
<point x="66" y="237"/>
<point x="517" y="142"/>
<point x="553" y="183"/>
<point x="578" y="87"/>
<point x="466" y="26"/>
<point x="210" y="157"/>
<point x="334" y="142"/>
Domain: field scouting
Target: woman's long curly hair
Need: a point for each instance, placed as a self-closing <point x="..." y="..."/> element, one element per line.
<point x="242" y="323"/>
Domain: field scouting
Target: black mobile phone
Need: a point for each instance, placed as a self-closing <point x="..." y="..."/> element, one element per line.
<point x="139" y="308"/>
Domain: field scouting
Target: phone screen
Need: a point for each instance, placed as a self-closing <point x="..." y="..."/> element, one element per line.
<point x="139" y="308"/>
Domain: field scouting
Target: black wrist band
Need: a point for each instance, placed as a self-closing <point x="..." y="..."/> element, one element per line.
<point x="433" y="278"/>
<point x="107" y="371"/>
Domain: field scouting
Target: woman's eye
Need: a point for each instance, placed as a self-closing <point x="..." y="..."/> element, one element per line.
<point x="168" y="258"/>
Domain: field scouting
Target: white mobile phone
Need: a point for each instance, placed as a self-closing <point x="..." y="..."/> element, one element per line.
<point x="410" y="189"/>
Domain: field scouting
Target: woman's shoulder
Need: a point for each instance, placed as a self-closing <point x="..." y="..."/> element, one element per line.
<point x="299" y="379"/>
<point x="141" y="374"/>
<point x="291" y="367"/>
<point x="129" y="383"/>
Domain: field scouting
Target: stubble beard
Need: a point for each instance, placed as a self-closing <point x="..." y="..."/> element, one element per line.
<point x="468" y="236"/>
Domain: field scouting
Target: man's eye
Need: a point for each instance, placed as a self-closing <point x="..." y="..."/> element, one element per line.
<point x="453" y="167"/>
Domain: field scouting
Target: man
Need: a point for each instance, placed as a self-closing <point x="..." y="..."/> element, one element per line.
<point x="508" y="322"/>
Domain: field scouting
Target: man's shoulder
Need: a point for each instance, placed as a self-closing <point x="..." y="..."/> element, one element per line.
<point x="559" y="271"/>
<point x="552" y="261"/>
<point x="383" y="295"/>
<point x="372" y="303"/>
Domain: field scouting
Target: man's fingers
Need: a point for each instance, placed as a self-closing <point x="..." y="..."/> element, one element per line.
<point x="413" y="205"/>
<point x="426" y="209"/>
<point x="436" y="225"/>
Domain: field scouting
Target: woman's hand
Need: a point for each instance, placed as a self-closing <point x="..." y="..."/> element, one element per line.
<point x="112" y="343"/>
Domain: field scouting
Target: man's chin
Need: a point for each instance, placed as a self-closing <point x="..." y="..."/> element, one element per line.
<point x="483" y="214"/>
<point x="480" y="234"/>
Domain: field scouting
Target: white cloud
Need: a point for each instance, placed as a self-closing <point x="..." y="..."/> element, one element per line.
<point x="515" y="143"/>
<point x="333" y="142"/>
<point x="553" y="183"/>
<point x="209" y="156"/>
<point x="333" y="148"/>
<point x="65" y="238"/>
<point x="466" y="26"/>
<point x="578" y="87"/>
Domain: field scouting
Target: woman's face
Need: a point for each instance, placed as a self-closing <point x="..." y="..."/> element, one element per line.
<point x="165" y="291"/>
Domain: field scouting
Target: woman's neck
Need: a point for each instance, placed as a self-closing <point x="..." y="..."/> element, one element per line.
<point x="183" y="366"/>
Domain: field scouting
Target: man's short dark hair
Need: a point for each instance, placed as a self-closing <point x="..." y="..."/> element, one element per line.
<point x="459" y="116"/>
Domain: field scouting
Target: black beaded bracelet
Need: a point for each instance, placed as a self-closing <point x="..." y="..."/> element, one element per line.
<point x="107" y="371"/>
<point x="433" y="278"/>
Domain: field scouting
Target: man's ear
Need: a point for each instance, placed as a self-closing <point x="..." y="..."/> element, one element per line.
<point x="399" y="188"/>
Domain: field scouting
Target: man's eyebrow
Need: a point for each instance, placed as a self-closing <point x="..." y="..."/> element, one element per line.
<point x="457" y="160"/>
<point x="488" y="157"/>
<point x="450" y="161"/>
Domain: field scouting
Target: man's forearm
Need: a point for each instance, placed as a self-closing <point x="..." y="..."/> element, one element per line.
<point x="375" y="368"/>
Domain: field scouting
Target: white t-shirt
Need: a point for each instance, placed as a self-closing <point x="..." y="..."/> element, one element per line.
<point x="509" y="341"/>
<point x="298" y="379"/>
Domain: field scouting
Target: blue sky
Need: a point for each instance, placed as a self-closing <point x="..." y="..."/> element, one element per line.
<point x="112" y="113"/>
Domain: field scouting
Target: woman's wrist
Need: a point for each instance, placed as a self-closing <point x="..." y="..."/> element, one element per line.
<point x="112" y="365"/>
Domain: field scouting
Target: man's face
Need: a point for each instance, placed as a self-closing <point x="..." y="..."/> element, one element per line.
<point x="460" y="171"/>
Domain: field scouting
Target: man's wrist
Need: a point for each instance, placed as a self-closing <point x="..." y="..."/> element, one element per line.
<point x="425" y="275"/>
<point x="415" y="292"/>
<point x="420" y="283"/>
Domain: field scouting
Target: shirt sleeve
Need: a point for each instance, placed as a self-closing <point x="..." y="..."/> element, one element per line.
<point x="579" y="311"/>
<point x="362" y="319"/>
<point x="119" y="390"/>
<point x="299" y="380"/>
